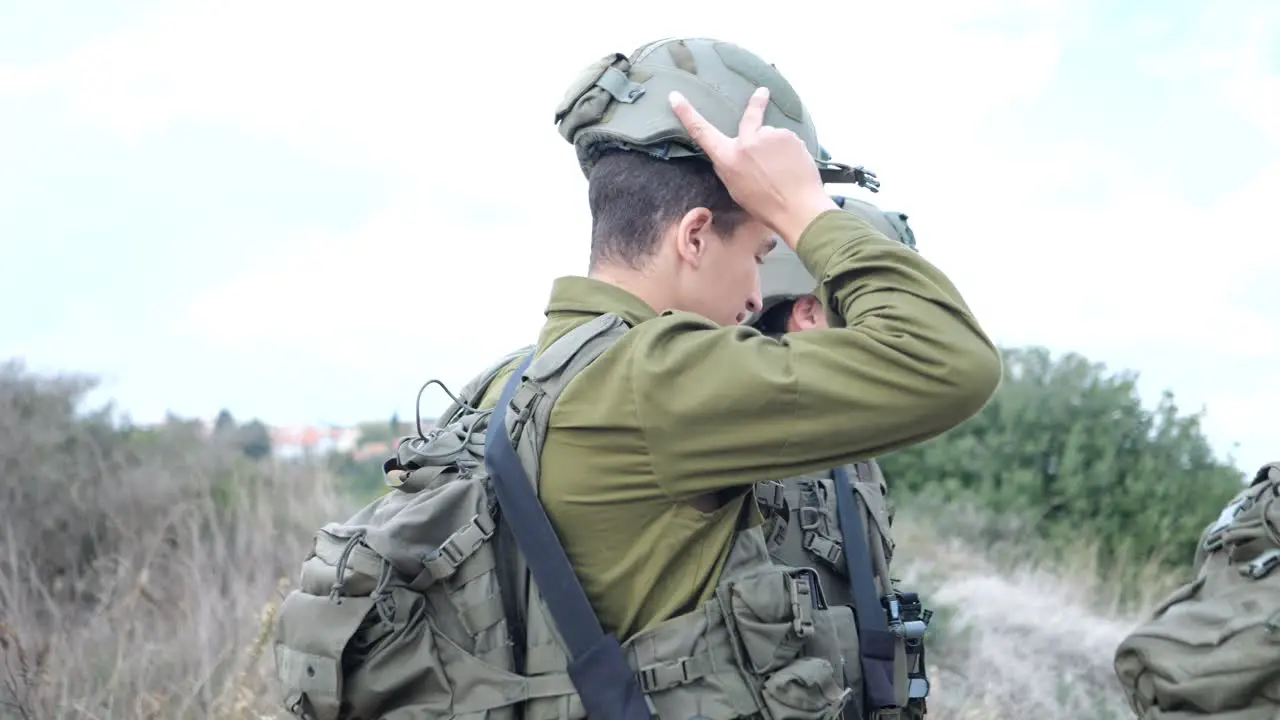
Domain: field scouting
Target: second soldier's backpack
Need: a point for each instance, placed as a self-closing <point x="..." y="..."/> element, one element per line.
<point x="1212" y="647"/>
<point x="805" y="527"/>
<point x="451" y="597"/>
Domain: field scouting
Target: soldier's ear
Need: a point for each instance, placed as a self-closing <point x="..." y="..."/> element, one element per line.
<point x="692" y="233"/>
<point x="807" y="313"/>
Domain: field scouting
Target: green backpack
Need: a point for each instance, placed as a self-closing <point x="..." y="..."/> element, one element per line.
<point x="1212" y="647"/>
<point x="451" y="597"/>
<point x="806" y="528"/>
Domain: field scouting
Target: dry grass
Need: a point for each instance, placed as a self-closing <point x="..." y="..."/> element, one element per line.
<point x="1016" y="636"/>
<point x="138" y="571"/>
<point x="180" y="630"/>
<point x="1010" y="642"/>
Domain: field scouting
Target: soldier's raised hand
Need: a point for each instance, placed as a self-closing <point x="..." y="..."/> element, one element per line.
<point x="767" y="170"/>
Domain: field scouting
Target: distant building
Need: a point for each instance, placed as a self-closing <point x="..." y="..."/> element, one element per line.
<point x="310" y="440"/>
<point x="295" y="441"/>
<point x="369" y="450"/>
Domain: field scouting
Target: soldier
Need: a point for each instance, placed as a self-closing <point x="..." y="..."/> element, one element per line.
<point x="652" y="451"/>
<point x="804" y="527"/>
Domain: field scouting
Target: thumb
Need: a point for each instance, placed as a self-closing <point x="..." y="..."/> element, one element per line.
<point x="704" y="134"/>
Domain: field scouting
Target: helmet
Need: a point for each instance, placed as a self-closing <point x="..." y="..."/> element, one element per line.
<point x="784" y="277"/>
<point x="621" y="102"/>
<point x="892" y="223"/>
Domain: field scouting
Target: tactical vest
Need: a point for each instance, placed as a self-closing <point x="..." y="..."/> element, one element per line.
<point x="805" y="528"/>
<point x="412" y="607"/>
<point x="1211" y="648"/>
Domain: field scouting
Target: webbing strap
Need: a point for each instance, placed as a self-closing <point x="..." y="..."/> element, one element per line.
<point x="606" y="684"/>
<point x="509" y="580"/>
<point x="875" y="641"/>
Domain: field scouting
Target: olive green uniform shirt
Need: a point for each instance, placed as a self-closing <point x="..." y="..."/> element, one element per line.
<point x="681" y="407"/>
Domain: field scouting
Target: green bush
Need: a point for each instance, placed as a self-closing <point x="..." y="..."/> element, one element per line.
<point x="1070" y="446"/>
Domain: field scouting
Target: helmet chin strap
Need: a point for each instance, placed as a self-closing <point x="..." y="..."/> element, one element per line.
<point x="833" y="172"/>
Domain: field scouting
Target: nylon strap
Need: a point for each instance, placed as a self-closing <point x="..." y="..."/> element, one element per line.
<point x="875" y="641"/>
<point x="606" y="684"/>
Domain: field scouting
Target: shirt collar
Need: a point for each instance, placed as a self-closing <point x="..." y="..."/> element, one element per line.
<point x="588" y="296"/>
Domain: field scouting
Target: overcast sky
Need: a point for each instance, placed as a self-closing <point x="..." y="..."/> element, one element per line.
<point x="301" y="210"/>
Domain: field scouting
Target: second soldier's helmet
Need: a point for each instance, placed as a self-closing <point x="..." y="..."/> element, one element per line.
<point x="620" y="102"/>
<point x="892" y="224"/>
<point x="783" y="277"/>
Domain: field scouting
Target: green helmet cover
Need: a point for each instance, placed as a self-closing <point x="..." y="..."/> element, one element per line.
<point x="892" y="223"/>
<point x="620" y="102"/>
<point x="784" y="277"/>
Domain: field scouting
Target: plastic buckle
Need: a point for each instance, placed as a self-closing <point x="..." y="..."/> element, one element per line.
<point x="810" y="518"/>
<point x="801" y="592"/>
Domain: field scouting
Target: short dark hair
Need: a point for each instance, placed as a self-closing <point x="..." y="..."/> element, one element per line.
<point x="634" y="197"/>
<point x="774" y="321"/>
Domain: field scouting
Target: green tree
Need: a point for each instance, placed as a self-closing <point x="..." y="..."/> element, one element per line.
<point x="255" y="440"/>
<point x="377" y="432"/>
<point x="364" y="478"/>
<point x="224" y="425"/>
<point x="1071" y="445"/>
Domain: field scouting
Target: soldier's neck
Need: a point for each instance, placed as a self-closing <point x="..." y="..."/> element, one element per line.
<point x="636" y="282"/>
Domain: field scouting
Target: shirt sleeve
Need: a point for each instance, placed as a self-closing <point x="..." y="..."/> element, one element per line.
<point x="727" y="406"/>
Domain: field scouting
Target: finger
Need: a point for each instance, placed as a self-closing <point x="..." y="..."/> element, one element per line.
<point x="753" y="116"/>
<point x="706" y="135"/>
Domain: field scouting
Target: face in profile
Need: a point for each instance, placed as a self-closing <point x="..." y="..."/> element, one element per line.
<point x="720" y="277"/>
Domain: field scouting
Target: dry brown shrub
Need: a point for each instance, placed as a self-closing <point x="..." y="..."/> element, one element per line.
<point x="139" y="569"/>
<point x="1018" y="636"/>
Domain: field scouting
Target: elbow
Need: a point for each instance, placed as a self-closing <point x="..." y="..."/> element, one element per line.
<point x="973" y="377"/>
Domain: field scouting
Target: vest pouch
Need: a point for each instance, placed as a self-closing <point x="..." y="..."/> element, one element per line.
<point x="772" y="616"/>
<point x="804" y="690"/>
<point x="836" y="640"/>
<point x="1212" y="648"/>
<point x="690" y="666"/>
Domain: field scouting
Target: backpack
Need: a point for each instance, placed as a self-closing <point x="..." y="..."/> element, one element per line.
<point x="451" y="597"/>
<point x="808" y="519"/>
<point x="1211" y="648"/>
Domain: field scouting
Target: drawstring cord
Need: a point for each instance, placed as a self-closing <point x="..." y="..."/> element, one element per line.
<point x="335" y="592"/>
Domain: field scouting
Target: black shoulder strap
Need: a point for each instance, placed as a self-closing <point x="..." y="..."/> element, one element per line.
<point x="875" y="641"/>
<point x="608" y="687"/>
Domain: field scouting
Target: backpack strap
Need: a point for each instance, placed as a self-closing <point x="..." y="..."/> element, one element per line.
<point x="510" y="568"/>
<point x="605" y="682"/>
<point x="876" y="643"/>
<point x="475" y="388"/>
